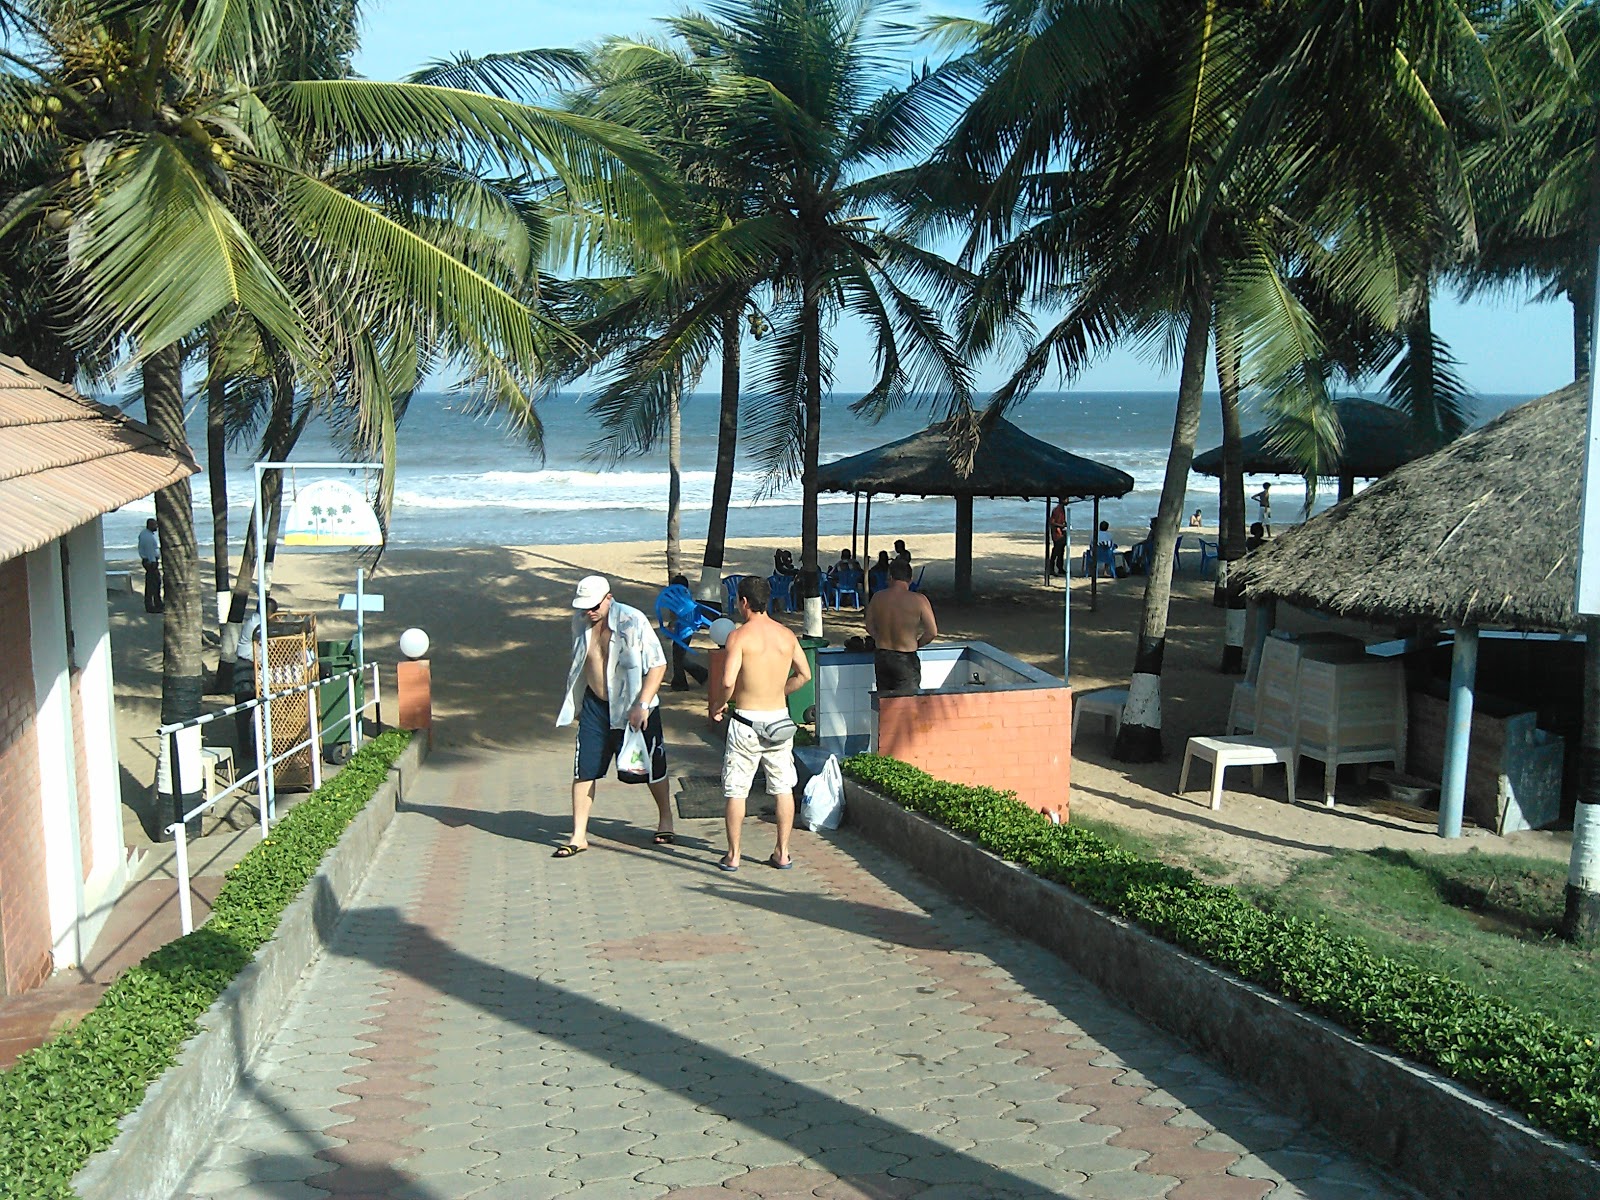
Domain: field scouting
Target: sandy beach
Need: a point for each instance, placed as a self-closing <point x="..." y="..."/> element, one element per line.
<point x="499" y="623"/>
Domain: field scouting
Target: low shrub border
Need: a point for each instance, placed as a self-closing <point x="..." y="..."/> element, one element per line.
<point x="61" y="1102"/>
<point x="1548" y="1072"/>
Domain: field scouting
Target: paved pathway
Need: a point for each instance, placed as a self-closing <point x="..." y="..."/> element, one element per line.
<point x="493" y="1023"/>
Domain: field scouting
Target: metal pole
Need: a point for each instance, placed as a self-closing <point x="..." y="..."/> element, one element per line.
<point x="361" y="618"/>
<point x="1094" y="558"/>
<point x="866" y="536"/>
<point x="185" y="908"/>
<point x="264" y="784"/>
<point x="354" y="716"/>
<point x="314" y="726"/>
<point x="855" y="517"/>
<point x="1066" y="605"/>
<point x="261" y="767"/>
<point x="1458" y="731"/>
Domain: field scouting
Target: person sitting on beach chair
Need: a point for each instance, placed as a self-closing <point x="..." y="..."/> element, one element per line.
<point x="1105" y="551"/>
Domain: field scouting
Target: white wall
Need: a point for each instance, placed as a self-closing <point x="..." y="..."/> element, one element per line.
<point x="91" y="631"/>
<point x="58" y="785"/>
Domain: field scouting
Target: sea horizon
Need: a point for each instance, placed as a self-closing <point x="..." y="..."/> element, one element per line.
<point x="466" y="479"/>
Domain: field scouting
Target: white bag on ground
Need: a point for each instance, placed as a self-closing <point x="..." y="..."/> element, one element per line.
<point x="823" y="804"/>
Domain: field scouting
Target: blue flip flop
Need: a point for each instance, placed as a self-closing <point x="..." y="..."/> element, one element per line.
<point x="724" y="865"/>
<point x="778" y="866"/>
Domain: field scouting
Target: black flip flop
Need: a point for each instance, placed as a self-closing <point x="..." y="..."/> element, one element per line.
<point x="666" y="839"/>
<point x="568" y="851"/>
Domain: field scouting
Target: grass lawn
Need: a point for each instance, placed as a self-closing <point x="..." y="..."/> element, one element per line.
<point x="1488" y="920"/>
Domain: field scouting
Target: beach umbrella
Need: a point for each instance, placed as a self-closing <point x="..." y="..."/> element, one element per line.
<point x="1007" y="463"/>
<point x="1377" y="439"/>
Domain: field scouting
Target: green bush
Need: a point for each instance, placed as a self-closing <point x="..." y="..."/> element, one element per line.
<point x="61" y="1102"/>
<point x="1545" y="1070"/>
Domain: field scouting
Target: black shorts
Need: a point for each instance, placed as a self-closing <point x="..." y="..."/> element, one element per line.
<point x="899" y="672"/>
<point x="598" y="743"/>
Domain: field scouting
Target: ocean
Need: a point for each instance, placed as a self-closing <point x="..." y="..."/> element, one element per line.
<point x="465" y="480"/>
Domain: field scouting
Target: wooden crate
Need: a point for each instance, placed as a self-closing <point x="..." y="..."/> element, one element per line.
<point x="291" y="662"/>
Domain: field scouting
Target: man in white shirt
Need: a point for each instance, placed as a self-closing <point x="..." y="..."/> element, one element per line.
<point x="616" y="670"/>
<point x="150" y="556"/>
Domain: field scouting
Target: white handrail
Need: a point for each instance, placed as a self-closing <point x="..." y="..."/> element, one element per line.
<point x="260" y="709"/>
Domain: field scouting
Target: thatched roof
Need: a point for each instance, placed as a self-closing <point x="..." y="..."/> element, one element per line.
<point x="65" y="460"/>
<point x="1483" y="532"/>
<point x="1008" y="462"/>
<point x="1377" y="439"/>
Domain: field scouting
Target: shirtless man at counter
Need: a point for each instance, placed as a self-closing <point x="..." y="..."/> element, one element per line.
<point x="764" y="664"/>
<point x="899" y="621"/>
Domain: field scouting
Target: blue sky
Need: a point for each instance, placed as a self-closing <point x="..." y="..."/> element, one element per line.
<point x="1505" y="345"/>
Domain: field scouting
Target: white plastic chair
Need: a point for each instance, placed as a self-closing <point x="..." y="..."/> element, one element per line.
<point x="1101" y="702"/>
<point x="1273" y="739"/>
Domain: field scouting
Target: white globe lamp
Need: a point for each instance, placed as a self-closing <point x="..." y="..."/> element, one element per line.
<point x="413" y="643"/>
<point x="721" y="629"/>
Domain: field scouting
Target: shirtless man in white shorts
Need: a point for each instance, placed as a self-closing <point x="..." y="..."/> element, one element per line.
<point x="764" y="664"/>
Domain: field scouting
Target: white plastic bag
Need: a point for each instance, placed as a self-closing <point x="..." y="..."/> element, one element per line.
<point x="633" y="759"/>
<point x="822" y="806"/>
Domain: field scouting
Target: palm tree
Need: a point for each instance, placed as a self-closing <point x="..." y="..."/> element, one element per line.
<point x="1161" y="170"/>
<point x="168" y="136"/>
<point x="805" y="96"/>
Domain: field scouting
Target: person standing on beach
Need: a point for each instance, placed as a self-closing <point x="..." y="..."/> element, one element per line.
<point x="899" y="621"/>
<point x="1058" y="538"/>
<point x="616" y="670"/>
<point x="150" y="556"/>
<point x="764" y="665"/>
<point x="1263" y="500"/>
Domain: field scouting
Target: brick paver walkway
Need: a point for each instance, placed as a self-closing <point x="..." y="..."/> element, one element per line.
<point x="493" y="1023"/>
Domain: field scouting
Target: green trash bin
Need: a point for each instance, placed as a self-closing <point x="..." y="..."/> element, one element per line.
<point x="333" y="699"/>
<point x="803" y="700"/>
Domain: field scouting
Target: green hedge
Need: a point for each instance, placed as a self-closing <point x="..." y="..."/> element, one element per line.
<point x="61" y="1102"/>
<point x="1545" y="1070"/>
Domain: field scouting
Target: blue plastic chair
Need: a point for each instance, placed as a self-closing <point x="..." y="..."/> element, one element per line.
<point x="916" y="584"/>
<point x="680" y="616"/>
<point x="782" y="593"/>
<point x="730" y="587"/>
<point x="848" y="583"/>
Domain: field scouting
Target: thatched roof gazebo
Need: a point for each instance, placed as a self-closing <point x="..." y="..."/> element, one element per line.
<point x="1377" y="439"/>
<point x="1483" y="533"/>
<point x="1006" y="463"/>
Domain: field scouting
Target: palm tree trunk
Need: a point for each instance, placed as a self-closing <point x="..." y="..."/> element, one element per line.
<point x="180" y="587"/>
<point x="810" y="574"/>
<point x="1139" y="739"/>
<point x="674" y="475"/>
<point x="283" y="431"/>
<point x="1229" y="591"/>
<point x="1581" y="923"/>
<point x="1421" y="367"/>
<point x="727" y="449"/>
<point x="217" y="470"/>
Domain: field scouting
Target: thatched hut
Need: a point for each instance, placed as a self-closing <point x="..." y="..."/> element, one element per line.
<point x="1480" y="534"/>
<point x="1007" y="463"/>
<point x="1377" y="439"/>
<point x="1483" y="532"/>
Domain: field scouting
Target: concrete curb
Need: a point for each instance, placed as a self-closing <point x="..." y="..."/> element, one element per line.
<point x="161" y="1140"/>
<point x="1428" y="1130"/>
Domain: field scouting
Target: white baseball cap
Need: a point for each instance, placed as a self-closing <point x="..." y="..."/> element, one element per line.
<point x="591" y="590"/>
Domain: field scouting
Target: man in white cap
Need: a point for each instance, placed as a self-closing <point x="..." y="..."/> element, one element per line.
<point x="617" y="669"/>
